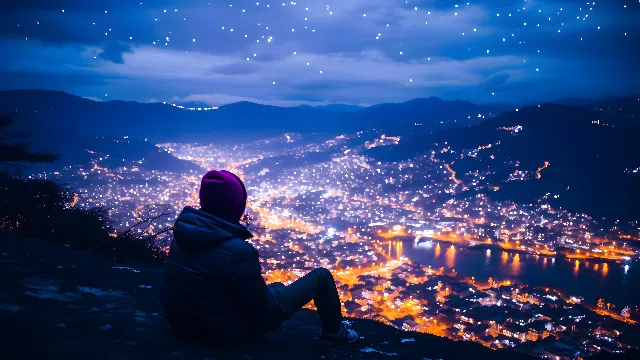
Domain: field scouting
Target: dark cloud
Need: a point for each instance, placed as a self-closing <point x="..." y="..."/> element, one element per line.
<point x="77" y="27"/>
<point x="72" y="5"/>
<point x="113" y="50"/>
<point x="33" y="80"/>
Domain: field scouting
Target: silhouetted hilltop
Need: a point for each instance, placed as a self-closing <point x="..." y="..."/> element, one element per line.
<point x="458" y="110"/>
<point x="590" y="165"/>
<point x="59" y="110"/>
<point x="61" y="303"/>
<point x="623" y="111"/>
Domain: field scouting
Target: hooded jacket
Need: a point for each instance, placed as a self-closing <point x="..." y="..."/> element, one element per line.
<point x="214" y="287"/>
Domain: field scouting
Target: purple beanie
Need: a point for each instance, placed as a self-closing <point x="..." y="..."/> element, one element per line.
<point x="223" y="194"/>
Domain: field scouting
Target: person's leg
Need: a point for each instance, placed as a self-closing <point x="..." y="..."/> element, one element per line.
<point x="319" y="286"/>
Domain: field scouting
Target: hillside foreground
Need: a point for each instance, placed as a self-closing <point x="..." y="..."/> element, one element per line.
<point x="61" y="303"/>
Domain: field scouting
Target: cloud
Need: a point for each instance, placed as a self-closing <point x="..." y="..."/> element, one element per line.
<point x="236" y="68"/>
<point x="224" y="99"/>
<point x="394" y="53"/>
<point x="368" y="78"/>
<point x="497" y="79"/>
<point x="333" y="77"/>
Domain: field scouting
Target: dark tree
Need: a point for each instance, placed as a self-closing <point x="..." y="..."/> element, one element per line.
<point x="26" y="205"/>
<point x="15" y="153"/>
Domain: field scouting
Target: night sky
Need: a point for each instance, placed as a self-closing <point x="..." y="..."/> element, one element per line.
<point x="318" y="52"/>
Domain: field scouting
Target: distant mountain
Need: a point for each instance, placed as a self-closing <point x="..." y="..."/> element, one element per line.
<point x="334" y="107"/>
<point x="589" y="165"/>
<point x="437" y="107"/>
<point x="575" y="101"/>
<point x="46" y="109"/>
<point x="83" y="149"/>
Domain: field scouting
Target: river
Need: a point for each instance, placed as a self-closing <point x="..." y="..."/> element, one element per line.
<point x="615" y="283"/>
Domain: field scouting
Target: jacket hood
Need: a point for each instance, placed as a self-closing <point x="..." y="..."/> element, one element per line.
<point x="198" y="230"/>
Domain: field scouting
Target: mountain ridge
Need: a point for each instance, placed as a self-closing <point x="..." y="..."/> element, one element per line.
<point x="38" y="108"/>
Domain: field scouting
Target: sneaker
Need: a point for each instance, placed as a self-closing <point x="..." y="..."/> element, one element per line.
<point x="343" y="336"/>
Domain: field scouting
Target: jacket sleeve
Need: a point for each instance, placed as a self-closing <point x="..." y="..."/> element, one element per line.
<point x="250" y="290"/>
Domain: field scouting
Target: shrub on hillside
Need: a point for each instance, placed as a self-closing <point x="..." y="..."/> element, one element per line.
<point x="45" y="209"/>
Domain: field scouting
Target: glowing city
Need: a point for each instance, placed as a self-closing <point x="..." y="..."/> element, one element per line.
<point x="356" y="216"/>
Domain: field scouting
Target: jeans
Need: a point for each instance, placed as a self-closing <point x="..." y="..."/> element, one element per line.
<point x="319" y="286"/>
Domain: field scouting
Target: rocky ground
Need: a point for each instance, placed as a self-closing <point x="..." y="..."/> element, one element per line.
<point x="61" y="303"/>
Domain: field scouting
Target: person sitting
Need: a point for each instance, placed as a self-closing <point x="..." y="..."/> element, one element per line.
<point x="214" y="289"/>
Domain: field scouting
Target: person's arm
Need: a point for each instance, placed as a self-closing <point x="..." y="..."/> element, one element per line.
<point x="249" y="288"/>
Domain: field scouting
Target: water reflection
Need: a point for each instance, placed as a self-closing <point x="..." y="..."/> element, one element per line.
<point x="576" y="277"/>
<point x="512" y="264"/>
<point x="515" y="265"/>
<point x="450" y="256"/>
<point x="395" y="249"/>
